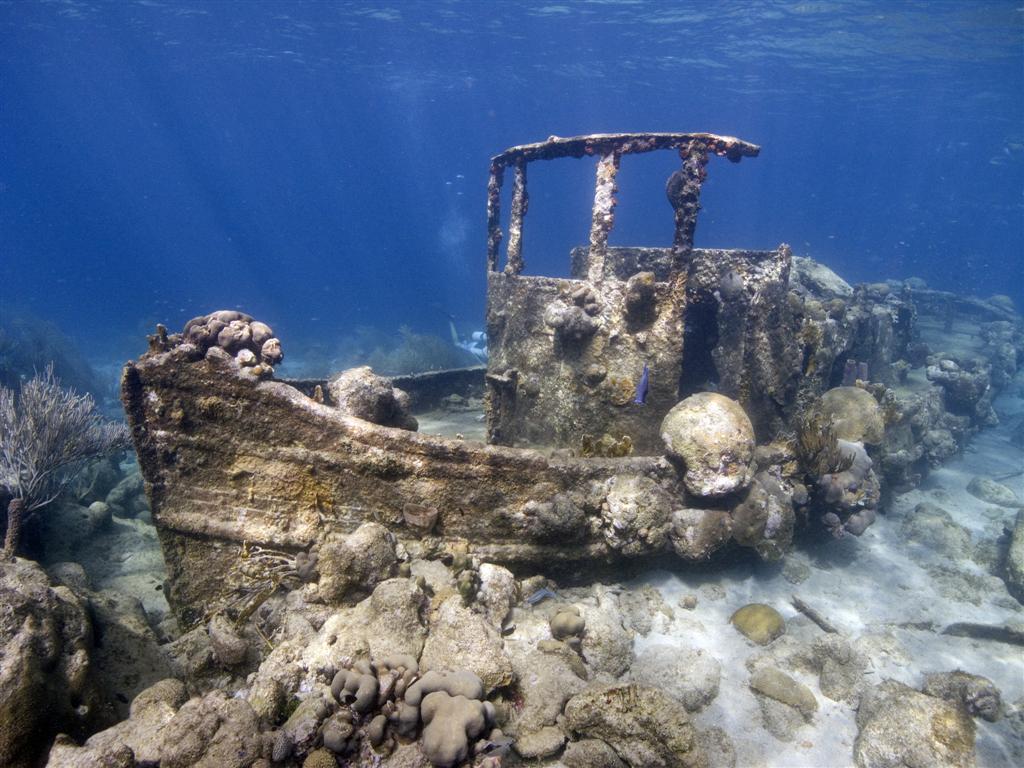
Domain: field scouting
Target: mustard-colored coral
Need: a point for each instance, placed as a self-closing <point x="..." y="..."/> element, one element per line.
<point x="619" y="390"/>
<point x="606" y="446"/>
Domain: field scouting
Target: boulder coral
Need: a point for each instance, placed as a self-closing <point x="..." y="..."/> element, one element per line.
<point x="780" y="687"/>
<point x="376" y="702"/>
<point x="250" y="342"/>
<point x="759" y="622"/>
<point x="714" y="439"/>
<point x="450" y="725"/>
<point x="855" y="414"/>
<point x="567" y="623"/>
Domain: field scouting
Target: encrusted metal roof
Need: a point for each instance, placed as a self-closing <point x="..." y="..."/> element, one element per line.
<point x="600" y="144"/>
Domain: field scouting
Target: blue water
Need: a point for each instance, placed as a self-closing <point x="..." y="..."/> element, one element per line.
<point x="323" y="165"/>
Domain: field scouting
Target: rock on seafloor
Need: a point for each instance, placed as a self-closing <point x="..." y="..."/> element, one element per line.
<point x="644" y="726"/>
<point x="460" y="638"/>
<point x="1013" y="567"/>
<point x="47" y="683"/>
<point x="902" y="727"/>
<point x="987" y="489"/>
<point x="690" y="676"/>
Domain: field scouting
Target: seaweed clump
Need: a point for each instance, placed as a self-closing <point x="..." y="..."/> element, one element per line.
<point x="818" y="446"/>
<point x="619" y="390"/>
<point x="846" y="487"/>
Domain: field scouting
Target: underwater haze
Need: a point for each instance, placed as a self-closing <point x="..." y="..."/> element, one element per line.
<point x="323" y="166"/>
<point x="388" y="485"/>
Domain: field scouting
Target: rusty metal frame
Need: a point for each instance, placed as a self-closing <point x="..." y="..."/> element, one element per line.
<point x="693" y="148"/>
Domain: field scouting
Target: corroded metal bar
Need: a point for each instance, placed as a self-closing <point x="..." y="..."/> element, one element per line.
<point x="683" y="191"/>
<point x="494" y="215"/>
<point x="520" y="202"/>
<point x="624" y="144"/>
<point x="697" y="145"/>
<point x="604" y="215"/>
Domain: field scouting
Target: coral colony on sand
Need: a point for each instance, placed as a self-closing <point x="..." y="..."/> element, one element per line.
<point x="48" y="435"/>
<point x="349" y="587"/>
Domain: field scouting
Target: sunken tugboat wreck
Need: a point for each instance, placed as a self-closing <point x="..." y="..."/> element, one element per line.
<point x="660" y="400"/>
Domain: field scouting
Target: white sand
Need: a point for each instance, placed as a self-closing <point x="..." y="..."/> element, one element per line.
<point x="867" y="586"/>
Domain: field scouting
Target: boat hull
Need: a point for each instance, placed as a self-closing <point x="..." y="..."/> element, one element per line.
<point x="228" y="461"/>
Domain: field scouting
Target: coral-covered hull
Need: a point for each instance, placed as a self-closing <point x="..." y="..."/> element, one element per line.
<point x="229" y="461"/>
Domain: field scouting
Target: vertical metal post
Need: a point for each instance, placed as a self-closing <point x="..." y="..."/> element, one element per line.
<point x="494" y="216"/>
<point x="603" y="217"/>
<point x="520" y="202"/>
<point x="683" y="191"/>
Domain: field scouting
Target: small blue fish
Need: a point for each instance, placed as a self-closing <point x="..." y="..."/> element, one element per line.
<point x="542" y="594"/>
<point x="643" y="387"/>
<point x="496" y="747"/>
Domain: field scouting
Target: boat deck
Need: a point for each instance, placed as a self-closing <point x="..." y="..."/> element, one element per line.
<point x="469" y="424"/>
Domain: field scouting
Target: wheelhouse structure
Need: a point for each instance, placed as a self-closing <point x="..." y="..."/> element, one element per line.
<point x="592" y="363"/>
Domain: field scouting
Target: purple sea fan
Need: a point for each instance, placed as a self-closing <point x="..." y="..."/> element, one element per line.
<point x="850" y="373"/>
